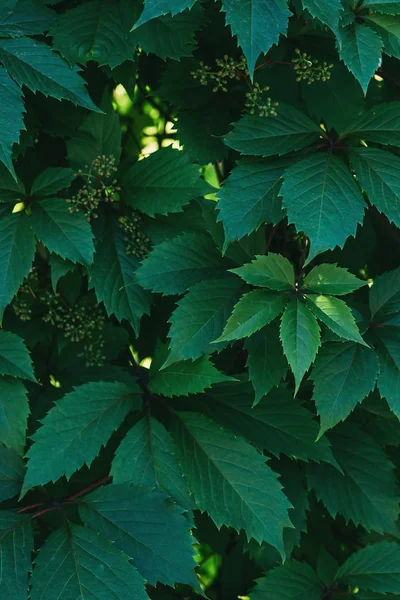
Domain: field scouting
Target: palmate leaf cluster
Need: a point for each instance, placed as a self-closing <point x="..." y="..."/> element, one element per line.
<point x="199" y="299"/>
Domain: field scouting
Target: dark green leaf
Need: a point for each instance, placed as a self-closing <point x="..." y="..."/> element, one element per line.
<point x="157" y="8"/>
<point x="51" y="181"/>
<point x="293" y="581"/>
<point x="12" y="471"/>
<point x="16" y="547"/>
<point x="360" y="49"/>
<point x="11" y="120"/>
<point x="14" y="410"/>
<point x="14" y="357"/>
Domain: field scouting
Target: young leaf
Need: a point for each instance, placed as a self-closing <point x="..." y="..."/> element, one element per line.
<point x="11" y="119"/>
<point x="35" y="65"/>
<point x="200" y="317"/>
<point x="327" y="11"/>
<point x="300" y="337"/>
<point x="343" y="375"/>
<point x="139" y="522"/>
<point x="375" y="567"/>
<point x="331" y="279"/>
<point x="380" y="124"/>
<point x="265" y="360"/>
<point x="223" y="463"/>
<point x="389" y="375"/>
<point x="65" y="233"/>
<point x="16" y="547"/>
<point x="260" y="136"/>
<point x="257" y="25"/>
<point x="175" y="265"/>
<point x="163" y="183"/>
<point x="323" y="200"/>
<point x="157" y="8"/>
<point x="249" y="197"/>
<point x="253" y="311"/>
<point x="147" y="457"/>
<point x="75" y="562"/>
<point x="360" y="49"/>
<point x="14" y="357"/>
<point x="52" y="180"/>
<point x="293" y="580"/>
<point x="273" y="271"/>
<point x="14" y="411"/>
<point x="384" y="296"/>
<point x="12" y="471"/>
<point x="76" y="428"/>
<point x="336" y="315"/>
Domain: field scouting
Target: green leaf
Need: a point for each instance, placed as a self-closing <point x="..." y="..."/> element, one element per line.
<point x="360" y="49"/>
<point x="383" y="6"/>
<point x="200" y="317"/>
<point x="378" y="173"/>
<point x="367" y="493"/>
<point x="375" y="567"/>
<point x="266" y="136"/>
<point x="59" y="267"/>
<point x="12" y="471"/>
<point x="343" y="376"/>
<point x="384" y="296"/>
<point x="292" y="581"/>
<point x="278" y="424"/>
<point x="113" y="279"/>
<point x="147" y="457"/>
<point x="300" y="337"/>
<point x="163" y="183"/>
<point x="327" y="11"/>
<point x="217" y="479"/>
<point x="331" y="279"/>
<point x="249" y="197"/>
<point x="75" y="562"/>
<point x="11" y="119"/>
<point x="257" y="25"/>
<point x="65" y="233"/>
<point x="11" y="190"/>
<point x="253" y="311"/>
<point x="336" y="315"/>
<point x="175" y="265"/>
<point x="140" y="522"/>
<point x="157" y="8"/>
<point x="273" y="271"/>
<point x="387" y="27"/>
<point x="14" y="357"/>
<point x="186" y="377"/>
<point x="52" y="180"/>
<point x="16" y="547"/>
<point x="14" y="410"/>
<point x="28" y="17"/>
<point x="75" y="429"/>
<point x="323" y="200"/>
<point x="201" y="133"/>
<point x="265" y="360"/>
<point x="389" y="376"/>
<point x="380" y="124"/>
<point x="35" y="65"/>
<point x="98" y="31"/>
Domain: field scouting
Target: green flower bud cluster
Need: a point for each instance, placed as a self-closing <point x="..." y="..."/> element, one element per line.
<point x="226" y="69"/>
<point x="79" y="322"/>
<point x="256" y="102"/>
<point x="22" y="303"/>
<point x="93" y="353"/>
<point x="136" y="240"/>
<point x="98" y="186"/>
<point x="310" y="69"/>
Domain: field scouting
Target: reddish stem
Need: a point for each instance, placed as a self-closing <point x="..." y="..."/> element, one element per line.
<point x="30" y="507"/>
<point x="43" y="512"/>
<point x="87" y="489"/>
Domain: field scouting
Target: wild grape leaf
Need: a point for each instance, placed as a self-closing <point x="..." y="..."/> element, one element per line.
<point x="12" y="471"/>
<point x="360" y="49"/>
<point x="175" y="265"/>
<point x="387" y="27"/>
<point x="27" y="18"/>
<point x="249" y="197"/>
<point x="367" y="493"/>
<point x="343" y="376"/>
<point x="384" y="296"/>
<point x="375" y="567"/>
<point x="52" y="180"/>
<point x="65" y="233"/>
<point x="378" y="173"/>
<point x="228" y="477"/>
<point x="300" y="336"/>
<point x="327" y="11"/>
<point x="35" y="65"/>
<point x="253" y="311"/>
<point x="11" y="190"/>
<point x="11" y="120"/>
<point x="383" y="6"/>
<point x="260" y="136"/>
<point x="14" y="410"/>
<point x="265" y="360"/>
<point x="323" y="200"/>
<point x="389" y="375"/>
<point x="14" y="357"/>
<point x="292" y="581"/>
<point x="16" y="547"/>
<point x="157" y="8"/>
<point x="147" y="457"/>
<point x="140" y="522"/>
<point x="113" y="279"/>
<point x="201" y="133"/>
<point x="257" y="25"/>
<point x="380" y="124"/>
<point x="331" y="279"/>
<point x="200" y="317"/>
<point x="59" y="267"/>
<point x="336" y="315"/>
<point x="75" y="429"/>
<point x="163" y="183"/>
<point x="278" y="424"/>
<point x="75" y="562"/>
<point x="273" y="271"/>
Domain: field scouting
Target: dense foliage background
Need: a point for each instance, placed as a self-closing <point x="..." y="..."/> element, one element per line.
<point x="200" y="299"/>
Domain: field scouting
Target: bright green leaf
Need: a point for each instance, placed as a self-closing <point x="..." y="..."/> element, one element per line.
<point x="331" y="279"/>
<point x="273" y="271"/>
<point x="336" y="315"/>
